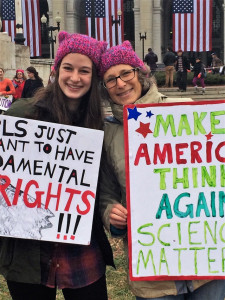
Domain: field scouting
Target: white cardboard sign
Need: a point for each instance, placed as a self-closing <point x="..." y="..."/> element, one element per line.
<point x="175" y="155"/>
<point x="48" y="180"/>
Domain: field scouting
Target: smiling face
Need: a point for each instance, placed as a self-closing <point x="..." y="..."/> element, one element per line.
<point x="75" y="75"/>
<point x="124" y="92"/>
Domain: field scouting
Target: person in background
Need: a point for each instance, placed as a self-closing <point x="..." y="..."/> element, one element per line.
<point x="51" y="78"/>
<point x="126" y="81"/>
<point x="33" y="83"/>
<point x="35" y="269"/>
<point x="199" y="74"/>
<point x="169" y="61"/>
<point x="6" y="85"/>
<point x="151" y="59"/>
<point x="18" y="82"/>
<point x="182" y="65"/>
<point x="216" y="63"/>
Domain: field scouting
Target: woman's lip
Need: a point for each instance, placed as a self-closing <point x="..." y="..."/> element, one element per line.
<point x="124" y="93"/>
<point x="74" y="87"/>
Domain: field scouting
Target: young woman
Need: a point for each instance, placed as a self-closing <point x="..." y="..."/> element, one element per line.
<point x="126" y="81"/>
<point x="33" y="83"/>
<point x="33" y="269"/>
<point x="18" y="82"/>
<point x="6" y="85"/>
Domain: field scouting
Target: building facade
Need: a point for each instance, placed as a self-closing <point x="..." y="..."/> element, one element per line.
<point x="153" y="17"/>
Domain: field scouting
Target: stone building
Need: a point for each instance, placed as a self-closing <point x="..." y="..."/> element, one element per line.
<point x="151" y="16"/>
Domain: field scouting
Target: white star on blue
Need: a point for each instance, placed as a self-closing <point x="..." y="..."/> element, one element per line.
<point x="149" y="114"/>
<point x="133" y="113"/>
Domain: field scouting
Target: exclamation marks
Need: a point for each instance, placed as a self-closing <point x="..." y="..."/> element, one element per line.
<point x="75" y="227"/>
<point x="67" y="225"/>
<point x="61" y="217"/>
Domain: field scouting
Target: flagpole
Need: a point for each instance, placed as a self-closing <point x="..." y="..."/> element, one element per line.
<point x="19" y="38"/>
<point x="93" y="18"/>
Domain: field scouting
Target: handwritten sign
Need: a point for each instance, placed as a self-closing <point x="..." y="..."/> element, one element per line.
<point x="48" y="179"/>
<point x="5" y="102"/>
<point x="175" y="155"/>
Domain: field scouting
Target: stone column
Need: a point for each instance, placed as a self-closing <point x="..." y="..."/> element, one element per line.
<point x="57" y="8"/>
<point x="157" y="29"/>
<point x="137" y="26"/>
<point x="143" y="23"/>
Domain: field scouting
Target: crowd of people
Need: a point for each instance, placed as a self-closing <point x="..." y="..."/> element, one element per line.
<point x="35" y="269"/>
<point x="178" y="63"/>
<point x="20" y="86"/>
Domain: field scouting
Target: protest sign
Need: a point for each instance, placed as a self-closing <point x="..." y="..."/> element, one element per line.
<point x="175" y="154"/>
<point x="48" y="179"/>
<point x="5" y="102"/>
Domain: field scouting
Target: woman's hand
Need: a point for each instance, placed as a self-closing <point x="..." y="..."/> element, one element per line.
<point x="118" y="216"/>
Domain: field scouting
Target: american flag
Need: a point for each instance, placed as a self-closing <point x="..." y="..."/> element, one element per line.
<point x="31" y="23"/>
<point x="8" y="17"/>
<point x="104" y="29"/>
<point x="192" y="25"/>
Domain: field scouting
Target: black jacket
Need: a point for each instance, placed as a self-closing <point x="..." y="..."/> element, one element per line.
<point x="169" y="59"/>
<point x="198" y="68"/>
<point x="30" y="87"/>
<point x="151" y="59"/>
<point x="185" y="62"/>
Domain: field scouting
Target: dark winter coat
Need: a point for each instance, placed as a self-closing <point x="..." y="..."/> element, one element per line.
<point x="169" y="59"/>
<point x="30" y="87"/>
<point x="186" y="64"/>
<point x="199" y="68"/>
<point x="151" y="59"/>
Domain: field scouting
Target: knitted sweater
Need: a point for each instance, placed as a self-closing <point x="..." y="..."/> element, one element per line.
<point x="6" y="87"/>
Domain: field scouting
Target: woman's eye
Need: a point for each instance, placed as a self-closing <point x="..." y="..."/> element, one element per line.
<point x="126" y="73"/>
<point x="110" y="80"/>
<point x="67" y="68"/>
<point x="84" y="71"/>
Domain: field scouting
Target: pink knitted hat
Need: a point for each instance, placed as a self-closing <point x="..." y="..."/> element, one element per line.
<point x="121" y="54"/>
<point x="79" y="43"/>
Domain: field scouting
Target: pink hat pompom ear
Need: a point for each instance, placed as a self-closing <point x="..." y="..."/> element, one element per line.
<point x="104" y="46"/>
<point x="62" y="36"/>
<point x="127" y="44"/>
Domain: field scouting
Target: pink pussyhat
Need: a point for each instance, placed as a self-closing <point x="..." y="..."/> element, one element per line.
<point x="20" y="70"/>
<point x="79" y="43"/>
<point x="120" y="54"/>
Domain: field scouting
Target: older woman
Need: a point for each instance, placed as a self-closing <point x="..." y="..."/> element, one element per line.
<point x="126" y="81"/>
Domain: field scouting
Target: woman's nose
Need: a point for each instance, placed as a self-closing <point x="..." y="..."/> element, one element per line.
<point x="120" y="82"/>
<point x="75" y="76"/>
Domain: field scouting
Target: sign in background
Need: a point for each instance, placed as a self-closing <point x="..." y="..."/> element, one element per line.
<point x="175" y="156"/>
<point x="5" y="102"/>
<point x="48" y="179"/>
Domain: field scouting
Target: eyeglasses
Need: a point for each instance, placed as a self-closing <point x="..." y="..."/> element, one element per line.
<point x="125" y="76"/>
